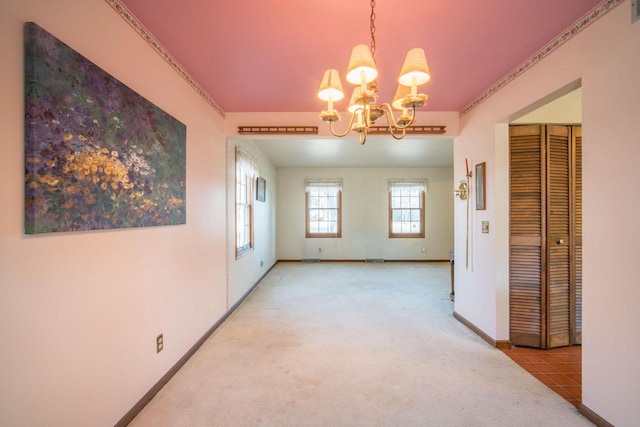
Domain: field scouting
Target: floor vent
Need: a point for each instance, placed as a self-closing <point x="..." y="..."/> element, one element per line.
<point x="311" y="260"/>
<point x="378" y="260"/>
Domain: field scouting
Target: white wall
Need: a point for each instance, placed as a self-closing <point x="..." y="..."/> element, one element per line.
<point x="605" y="56"/>
<point x="79" y="312"/>
<point x="243" y="272"/>
<point x="365" y="215"/>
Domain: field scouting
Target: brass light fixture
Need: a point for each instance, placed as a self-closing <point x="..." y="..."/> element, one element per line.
<point x="364" y="107"/>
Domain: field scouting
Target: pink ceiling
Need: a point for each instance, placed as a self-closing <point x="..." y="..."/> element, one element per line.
<point x="269" y="55"/>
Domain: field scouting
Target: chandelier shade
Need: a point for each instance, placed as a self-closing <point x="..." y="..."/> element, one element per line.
<point x="361" y="63"/>
<point x="401" y="93"/>
<point x="415" y="67"/>
<point x="331" y="86"/>
<point x="353" y="105"/>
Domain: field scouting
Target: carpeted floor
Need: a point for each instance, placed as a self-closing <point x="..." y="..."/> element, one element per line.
<point x="353" y="344"/>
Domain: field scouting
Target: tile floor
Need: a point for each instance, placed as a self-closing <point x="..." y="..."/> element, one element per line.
<point x="560" y="369"/>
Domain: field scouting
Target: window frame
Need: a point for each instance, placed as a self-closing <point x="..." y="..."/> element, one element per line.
<point x="245" y="173"/>
<point x="400" y="235"/>
<point x="317" y="183"/>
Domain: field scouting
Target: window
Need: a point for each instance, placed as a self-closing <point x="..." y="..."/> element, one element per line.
<point x="406" y="208"/>
<point x="323" y="208"/>
<point x="245" y="172"/>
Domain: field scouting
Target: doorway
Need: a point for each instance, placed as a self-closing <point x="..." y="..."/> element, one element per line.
<point x="545" y="235"/>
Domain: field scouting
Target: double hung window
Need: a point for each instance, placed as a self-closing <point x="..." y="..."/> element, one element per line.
<point x="406" y="208"/>
<point x="323" y="208"/>
<point x="246" y="171"/>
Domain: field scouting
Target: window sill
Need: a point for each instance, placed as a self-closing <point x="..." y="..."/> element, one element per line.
<point x="242" y="252"/>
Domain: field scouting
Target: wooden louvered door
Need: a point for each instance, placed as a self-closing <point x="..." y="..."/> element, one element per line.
<point x="559" y="198"/>
<point x="527" y="283"/>
<point x="545" y="253"/>
<point x="577" y="243"/>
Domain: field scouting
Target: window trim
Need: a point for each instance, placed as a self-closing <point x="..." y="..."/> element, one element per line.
<point x="419" y="235"/>
<point x="250" y="172"/>
<point x="308" y="233"/>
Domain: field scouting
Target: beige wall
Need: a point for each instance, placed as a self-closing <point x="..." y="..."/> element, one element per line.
<point x="79" y="312"/>
<point x="365" y="215"/>
<point x="606" y="60"/>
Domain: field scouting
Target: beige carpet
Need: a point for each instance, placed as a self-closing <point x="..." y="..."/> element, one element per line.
<point x="353" y="344"/>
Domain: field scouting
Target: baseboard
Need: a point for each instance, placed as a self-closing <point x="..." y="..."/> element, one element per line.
<point x="503" y="344"/>
<point x="500" y="344"/>
<point x="129" y="416"/>
<point x="593" y="417"/>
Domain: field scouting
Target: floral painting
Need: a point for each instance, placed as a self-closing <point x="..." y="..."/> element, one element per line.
<point x="97" y="154"/>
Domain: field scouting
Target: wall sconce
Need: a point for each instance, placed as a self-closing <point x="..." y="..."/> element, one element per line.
<point x="462" y="191"/>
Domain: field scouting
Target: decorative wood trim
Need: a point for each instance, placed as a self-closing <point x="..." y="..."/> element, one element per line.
<point x="126" y="14"/>
<point x="593" y="417"/>
<point x="582" y="23"/>
<point x="430" y="130"/>
<point x="278" y="130"/>
<point x="498" y="344"/>
<point x="129" y="416"/>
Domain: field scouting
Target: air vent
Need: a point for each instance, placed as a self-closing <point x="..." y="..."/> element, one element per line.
<point x="635" y="10"/>
<point x="375" y="260"/>
<point x="310" y="260"/>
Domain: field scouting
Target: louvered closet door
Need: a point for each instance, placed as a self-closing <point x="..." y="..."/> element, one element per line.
<point x="577" y="268"/>
<point x="559" y="237"/>
<point x="527" y="222"/>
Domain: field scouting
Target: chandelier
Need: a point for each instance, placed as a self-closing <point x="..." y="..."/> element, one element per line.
<point x="364" y="107"/>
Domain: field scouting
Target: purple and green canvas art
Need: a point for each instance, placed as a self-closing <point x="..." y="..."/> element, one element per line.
<point x="97" y="154"/>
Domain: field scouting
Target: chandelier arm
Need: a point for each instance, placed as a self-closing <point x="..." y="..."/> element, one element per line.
<point x="401" y="136"/>
<point x="391" y="122"/>
<point x="340" y="135"/>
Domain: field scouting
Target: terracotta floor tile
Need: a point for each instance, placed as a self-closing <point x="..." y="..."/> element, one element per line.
<point x="530" y="357"/>
<point x="567" y="368"/>
<point x="561" y="379"/>
<point x="575" y="390"/>
<point x="544" y="368"/>
<point x="565" y="357"/>
<point x="516" y="357"/>
<point x="527" y="367"/>
<point x="545" y="357"/>
<point x="560" y="369"/>
<point x="575" y="377"/>
<point x="577" y="357"/>
<point x="519" y="350"/>
<point x="544" y="379"/>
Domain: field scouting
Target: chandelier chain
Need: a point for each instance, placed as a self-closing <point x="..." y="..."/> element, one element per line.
<point x="373" y="29"/>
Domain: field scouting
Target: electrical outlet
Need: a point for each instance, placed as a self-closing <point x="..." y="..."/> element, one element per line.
<point x="319" y="249"/>
<point x="424" y="250"/>
<point x="159" y="343"/>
